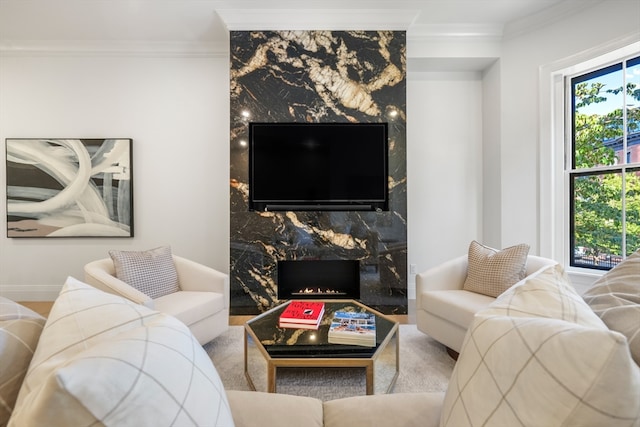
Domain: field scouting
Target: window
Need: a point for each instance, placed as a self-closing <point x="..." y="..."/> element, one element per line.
<point x="603" y="164"/>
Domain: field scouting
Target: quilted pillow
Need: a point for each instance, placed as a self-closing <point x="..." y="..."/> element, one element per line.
<point x="491" y="272"/>
<point x="546" y="293"/>
<point x="539" y="357"/>
<point x="20" y="329"/>
<point x="110" y="362"/>
<point x="615" y="297"/>
<point x="152" y="272"/>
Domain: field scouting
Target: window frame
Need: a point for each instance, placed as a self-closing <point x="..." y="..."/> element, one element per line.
<point x="554" y="134"/>
<point x="574" y="172"/>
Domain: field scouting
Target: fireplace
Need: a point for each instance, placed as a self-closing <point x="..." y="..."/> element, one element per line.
<point x="325" y="279"/>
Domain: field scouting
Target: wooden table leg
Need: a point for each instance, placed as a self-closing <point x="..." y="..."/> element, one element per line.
<point x="271" y="378"/>
<point x="369" y="380"/>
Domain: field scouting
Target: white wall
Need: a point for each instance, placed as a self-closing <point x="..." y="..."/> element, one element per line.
<point x="444" y="166"/>
<point x="176" y="111"/>
<point x="521" y="61"/>
<point x="491" y="143"/>
<point x="479" y="179"/>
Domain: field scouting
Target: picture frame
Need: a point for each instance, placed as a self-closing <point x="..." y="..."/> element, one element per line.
<point x="69" y="187"/>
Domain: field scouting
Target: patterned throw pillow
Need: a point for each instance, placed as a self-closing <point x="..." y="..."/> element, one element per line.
<point x="152" y="272"/>
<point x="615" y="297"/>
<point x="538" y="356"/>
<point x="546" y="293"/>
<point x="20" y="329"/>
<point x="491" y="272"/>
<point x="104" y="360"/>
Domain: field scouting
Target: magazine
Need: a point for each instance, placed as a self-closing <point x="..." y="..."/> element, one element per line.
<point x="353" y="328"/>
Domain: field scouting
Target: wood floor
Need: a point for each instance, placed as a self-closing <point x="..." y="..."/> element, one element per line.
<point x="40" y="307"/>
<point x="43" y="308"/>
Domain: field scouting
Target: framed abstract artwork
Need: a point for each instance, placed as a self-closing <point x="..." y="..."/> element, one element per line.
<point x="69" y="187"/>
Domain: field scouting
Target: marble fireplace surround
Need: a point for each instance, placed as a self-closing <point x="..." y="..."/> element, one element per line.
<point x="318" y="76"/>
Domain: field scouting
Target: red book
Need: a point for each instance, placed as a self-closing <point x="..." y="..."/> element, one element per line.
<point x="298" y="326"/>
<point x="303" y="312"/>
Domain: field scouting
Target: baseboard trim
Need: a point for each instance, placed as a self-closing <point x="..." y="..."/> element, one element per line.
<point x="30" y="292"/>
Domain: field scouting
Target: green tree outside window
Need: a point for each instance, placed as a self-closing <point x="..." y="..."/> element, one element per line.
<point x="605" y="165"/>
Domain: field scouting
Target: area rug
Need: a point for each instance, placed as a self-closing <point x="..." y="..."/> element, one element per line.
<point x="424" y="366"/>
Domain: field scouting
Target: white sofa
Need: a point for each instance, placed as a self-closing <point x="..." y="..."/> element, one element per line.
<point x="202" y="303"/>
<point x="537" y="356"/>
<point x="101" y="359"/>
<point x="444" y="310"/>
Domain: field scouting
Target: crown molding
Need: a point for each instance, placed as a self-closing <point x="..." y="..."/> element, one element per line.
<point x="112" y="48"/>
<point x="470" y="66"/>
<point x="462" y="47"/>
<point x="555" y="13"/>
<point x="317" y="19"/>
<point x="456" y="32"/>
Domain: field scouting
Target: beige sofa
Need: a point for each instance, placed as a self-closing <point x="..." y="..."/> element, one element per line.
<point x="537" y="356"/>
<point x="444" y="310"/>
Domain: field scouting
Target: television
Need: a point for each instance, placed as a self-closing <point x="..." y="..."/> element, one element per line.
<point x="318" y="166"/>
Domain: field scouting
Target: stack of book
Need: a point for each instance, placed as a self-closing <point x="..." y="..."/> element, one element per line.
<point x="302" y="315"/>
<point x="353" y="328"/>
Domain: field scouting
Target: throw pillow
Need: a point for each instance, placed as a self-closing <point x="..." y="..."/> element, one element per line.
<point x="524" y="362"/>
<point x="152" y="272"/>
<point x="491" y="272"/>
<point x="546" y="293"/>
<point x="20" y="329"/>
<point x="615" y="297"/>
<point x="114" y="363"/>
<point x="80" y="317"/>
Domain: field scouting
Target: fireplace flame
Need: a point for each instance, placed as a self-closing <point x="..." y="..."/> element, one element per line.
<point x="316" y="291"/>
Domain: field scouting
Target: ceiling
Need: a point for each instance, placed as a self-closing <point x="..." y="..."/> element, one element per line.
<point x="208" y="20"/>
<point x="203" y="25"/>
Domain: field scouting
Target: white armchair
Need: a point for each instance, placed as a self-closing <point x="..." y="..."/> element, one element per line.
<point x="444" y="310"/>
<point x="202" y="303"/>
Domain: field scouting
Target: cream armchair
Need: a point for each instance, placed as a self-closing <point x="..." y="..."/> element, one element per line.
<point x="444" y="310"/>
<point x="202" y="303"/>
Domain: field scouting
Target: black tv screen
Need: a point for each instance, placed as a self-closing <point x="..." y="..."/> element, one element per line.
<point x="318" y="166"/>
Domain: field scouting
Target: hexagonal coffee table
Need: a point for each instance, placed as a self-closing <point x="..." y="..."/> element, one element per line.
<point x="269" y="347"/>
